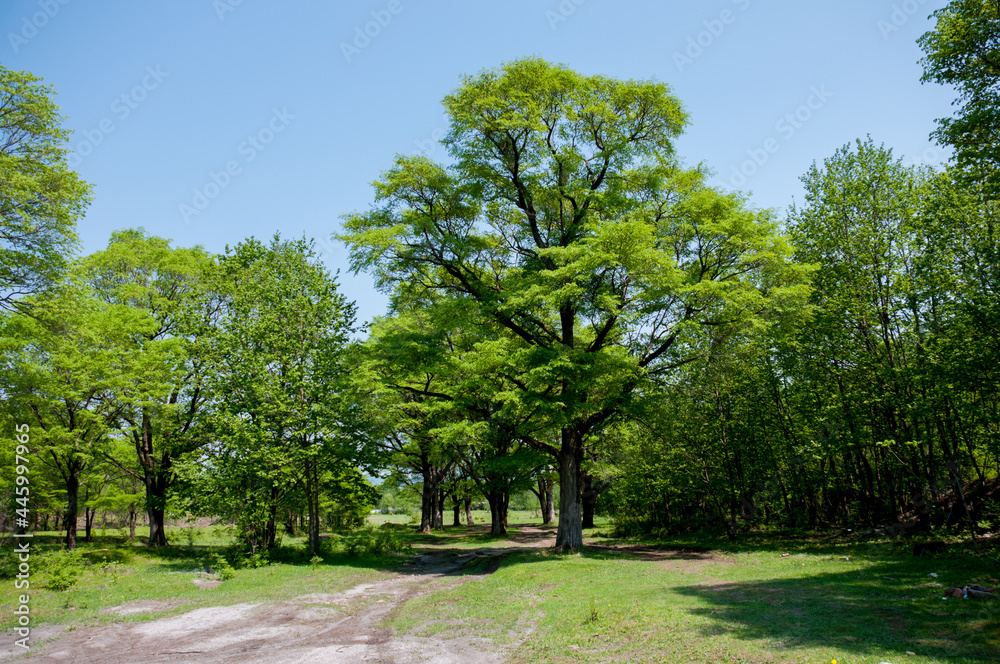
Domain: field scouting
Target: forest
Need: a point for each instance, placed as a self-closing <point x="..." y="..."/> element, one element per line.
<point x="577" y="319"/>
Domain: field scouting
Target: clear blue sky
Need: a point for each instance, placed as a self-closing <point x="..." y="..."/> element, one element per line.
<point x="162" y="95"/>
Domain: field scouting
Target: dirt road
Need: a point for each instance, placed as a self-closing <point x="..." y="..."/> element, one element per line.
<point x="330" y="628"/>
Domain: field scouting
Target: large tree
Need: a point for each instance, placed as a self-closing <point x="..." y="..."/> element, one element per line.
<point x="567" y="222"/>
<point x="40" y="198"/>
<point x="163" y="407"/>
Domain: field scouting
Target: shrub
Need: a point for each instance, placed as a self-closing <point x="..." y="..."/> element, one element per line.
<point x="368" y="540"/>
<point x="63" y="569"/>
<point x="222" y="567"/>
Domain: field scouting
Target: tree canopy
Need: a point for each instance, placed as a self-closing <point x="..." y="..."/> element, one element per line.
<point x="40" y="198"/>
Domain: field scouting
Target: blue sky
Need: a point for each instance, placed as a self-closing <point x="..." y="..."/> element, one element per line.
<point x="207" y="121"/>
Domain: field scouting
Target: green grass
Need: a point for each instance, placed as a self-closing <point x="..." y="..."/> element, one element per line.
<point x="691" y="599"/>
<point x="116" y="572"/>
<point x="742" y="603"/>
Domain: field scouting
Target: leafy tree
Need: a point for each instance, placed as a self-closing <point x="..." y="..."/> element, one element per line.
<point x="963" y="50"/>
<point x="61" y="368"/>
<point x="162" y="411"/>
<point x="280" y="372"/>
<point x="566" y="222"/>
<point x="40" y="198"/>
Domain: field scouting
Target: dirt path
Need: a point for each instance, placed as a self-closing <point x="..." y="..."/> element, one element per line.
<point x="327" y="628"/>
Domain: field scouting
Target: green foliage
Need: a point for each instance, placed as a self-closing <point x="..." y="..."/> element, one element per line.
<point x="63" y="368"/>
<point x="222" y="567"/>
<point x="62" y="569"/>
<point x="589" y="257"/>
<point x="962" y="51"/>
<point x="372" y="541"/>
<point x="40" y="199"/>
<point x="286" y="423"/>
<point x="162" y="414"/>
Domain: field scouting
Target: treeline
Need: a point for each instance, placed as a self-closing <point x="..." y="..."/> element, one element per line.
<point x="151" y="375"/>
<point x="573" y="312"/>
<point x="880" y="410"/>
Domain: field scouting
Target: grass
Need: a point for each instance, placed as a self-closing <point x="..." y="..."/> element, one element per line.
<point x="691" y="599"/>
<point x="723" y="603"/>
<point x="117" y="572"/>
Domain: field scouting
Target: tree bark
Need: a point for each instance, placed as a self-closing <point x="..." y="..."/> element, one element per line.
<point x="132" y="517"/>
<point x="88" y="523"/>
<point x="156" y="481"/>
<point x="468" y="512"/>
<point x="499" y="501"/>
<point x="439" y="510"/>
<point x="548" y="502"/>
<point x="569" y="537"/>
<point x="590" y="491"/>
<point x="457" y="508"/>
<point x="427" y="507"/>
<point x="545" y="494"/>
<point x="72" y="509"/>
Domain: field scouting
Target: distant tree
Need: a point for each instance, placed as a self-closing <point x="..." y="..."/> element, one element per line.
<point x="281" y="367"/>
<point x="40" y="198"/>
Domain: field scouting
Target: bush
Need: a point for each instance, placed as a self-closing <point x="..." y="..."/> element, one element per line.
<point x="368" y="540"/>
<point x="63" y="569"/>
<point x="222" y="567"/>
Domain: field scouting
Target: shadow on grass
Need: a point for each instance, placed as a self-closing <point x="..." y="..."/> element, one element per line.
<point x="885" y="609"/>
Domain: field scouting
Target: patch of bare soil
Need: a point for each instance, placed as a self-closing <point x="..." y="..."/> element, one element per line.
<point x="329" y="628"/>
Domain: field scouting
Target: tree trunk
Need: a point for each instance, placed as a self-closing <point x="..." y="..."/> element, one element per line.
<point x="468" y="512"/>
<point x="312" y="500"/>
<point x="589" y="493"/>
<point x="545" y="494"/>
<point x="132" y="517"/>
<point x="548" y="501"/>
<point x="569" y="537"/>
<point x="498" y="500"/>
<point x="427" y="508"/>
<point x="457" y="507"/>
<point x="439" y="510"/>
<point x="88" y="523"/>
<point x="72" y="508"/>
<point x="156" y="483"/>
<point x="157" y="532"/>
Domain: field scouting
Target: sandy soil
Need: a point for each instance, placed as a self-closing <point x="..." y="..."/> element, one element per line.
<point x="313" y="629"/>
